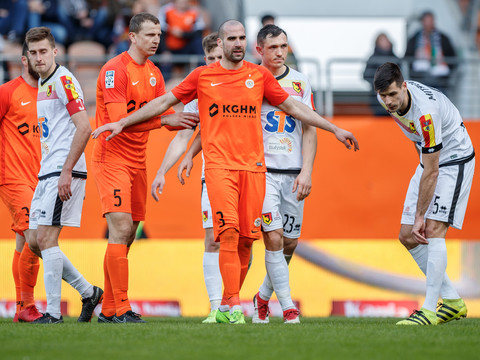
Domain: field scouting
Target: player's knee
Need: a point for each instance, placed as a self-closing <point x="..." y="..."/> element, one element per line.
<point x="289" y="246"/>
<point x="407" y="240"/>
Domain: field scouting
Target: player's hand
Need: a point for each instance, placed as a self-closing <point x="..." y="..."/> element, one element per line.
<point x="302" y="185"/>
<point x="347" y="138"/>
<point x="115" y="128"/>
<point x="157" y="185"/>
<point x="64" y="185"/>
<point x="187" y="165"/>
<point x="180" y="120"/>
<point x="418" y="231"/>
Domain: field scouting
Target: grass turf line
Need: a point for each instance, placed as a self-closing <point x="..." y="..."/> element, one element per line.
<point x="187" y="338"/>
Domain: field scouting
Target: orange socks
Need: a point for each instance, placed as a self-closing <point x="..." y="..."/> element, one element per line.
<point x="244" y="253"/>
<point x="16" y="279"/>
<point x="230" y="267"/>
<point x="117" y="264"/>
<point x="108" y="303"/>
<point x="28" y="266"/>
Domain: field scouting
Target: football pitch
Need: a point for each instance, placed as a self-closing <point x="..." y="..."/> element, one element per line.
<point x="188" y="338"/>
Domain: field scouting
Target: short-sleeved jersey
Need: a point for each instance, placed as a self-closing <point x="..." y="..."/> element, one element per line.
<point x="122" y="80"/>
<point x="434" y="123"/>
<point x="19" y="136"/>
<point x="59" y="97"/>
<point x="282" y="133"/>
<point x="229" y="104"/>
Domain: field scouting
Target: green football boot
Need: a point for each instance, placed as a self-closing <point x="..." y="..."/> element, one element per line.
<point x="451" y="310"/>
<point x="237" y="317"/>
<point x="222" y="317"/>
<point x="420" y="317"/>
<point x="211" y="318"/>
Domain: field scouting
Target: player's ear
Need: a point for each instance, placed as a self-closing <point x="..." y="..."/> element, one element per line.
<point x="259" y="50"/>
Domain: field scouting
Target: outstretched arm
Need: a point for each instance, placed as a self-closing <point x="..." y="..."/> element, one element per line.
<point x="153" y="108"/>
<point x="177" y="147"/>
<point x="187" y="162"/>
<point x="306" y="115"/>
<point x="303" y="182"/>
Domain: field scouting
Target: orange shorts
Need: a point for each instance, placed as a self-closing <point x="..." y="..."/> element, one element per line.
<point x="121" y="189"/>
<point x="18" y="198"/>
<point x="236" y="197"/>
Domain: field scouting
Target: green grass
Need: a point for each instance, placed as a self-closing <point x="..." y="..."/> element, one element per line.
<point x="187" y="338"/>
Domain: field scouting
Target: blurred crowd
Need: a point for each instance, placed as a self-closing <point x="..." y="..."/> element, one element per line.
<point x="184" y="22"/>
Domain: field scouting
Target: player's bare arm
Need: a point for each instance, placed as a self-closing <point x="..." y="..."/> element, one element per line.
<point x="306" y="115"/>
<point x="303" y="182"/>
<point x="79" y="142"/>
<point x="153" y="108"/>
<point x="428" y="182"/>
<point x="187" y="162"/>
<point x="176" y="148"/>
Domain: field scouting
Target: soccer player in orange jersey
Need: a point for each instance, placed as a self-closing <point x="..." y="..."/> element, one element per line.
<point x="230" y="94"/>
<point x="125" y="84"/>
<point x="20" y="163"/>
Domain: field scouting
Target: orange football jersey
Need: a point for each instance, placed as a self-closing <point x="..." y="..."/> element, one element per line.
<point x="229" y="104"/>
<point x="20" y="150"/>
<point x="123" y="81"/>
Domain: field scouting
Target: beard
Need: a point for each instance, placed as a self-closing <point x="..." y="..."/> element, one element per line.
<point x="32" y="72"/>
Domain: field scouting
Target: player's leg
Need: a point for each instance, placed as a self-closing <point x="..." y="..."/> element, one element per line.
<point x="211" y="269"/>
<point x="224" y="195"/>
<point x="29" y="267"/>
<point x="19" y="242"/>
<point x="252" y="194"/>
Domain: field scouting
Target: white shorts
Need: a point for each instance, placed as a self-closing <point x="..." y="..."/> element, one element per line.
<point x="47" y="208"/>
<point x="281" y="209"/>
<point x="450" y="199"/>
<point x="206" y="208"/>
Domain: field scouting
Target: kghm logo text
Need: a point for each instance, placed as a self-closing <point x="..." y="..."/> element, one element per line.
<point x="233" y="111"/>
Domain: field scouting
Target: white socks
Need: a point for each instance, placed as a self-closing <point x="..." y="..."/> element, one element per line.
<point x="436" y="266"/>
<point x="75" y="279"/>
<point x="213" y="279"/>
<point x="420" y="255"/>
<point x="52" y="275"/>
<point x="277" y="279"/>
<point x="57" y="266"/>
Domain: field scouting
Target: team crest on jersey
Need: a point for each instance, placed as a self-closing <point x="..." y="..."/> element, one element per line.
<point x="49" y="90"/>
<point x="110" y="79"/>
<point x="153" y="81"/>
<point x="249" y="83"/>
<point x="257" y="222"/>
<point x="411" y="125"/>
<point x="205" y="216"/>
<point x="297" y="86"/>
<point x="267" y="218"/>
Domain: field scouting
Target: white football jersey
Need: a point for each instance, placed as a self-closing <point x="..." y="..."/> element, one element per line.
<point x="192" y="107"/>
<point x="57" y="129"/>
<point x="282" y="133"/>
<point x="434" y="123"/>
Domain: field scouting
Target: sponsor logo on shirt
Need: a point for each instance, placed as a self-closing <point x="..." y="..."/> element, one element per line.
<point x="110" y="79"/>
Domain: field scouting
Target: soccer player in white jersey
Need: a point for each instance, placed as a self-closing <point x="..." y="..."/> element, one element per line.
<point x="438" y="192"/>
<point x="58" y="198"/>
<point x="290" y="149"/>
<point x="178" y="145"/>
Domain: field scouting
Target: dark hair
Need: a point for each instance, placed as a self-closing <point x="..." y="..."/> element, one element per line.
<point x="37" y="34"/>
<point x="137" y="21"/>
<point x="426" y="13"/>
<point x="209" y="42"/>
<point x="24" y="49"/>
<point x="221" y="29"/>
<point x="387" y="74"/>
<point x="269" y="31"/>
<point x="267" y="17"/>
